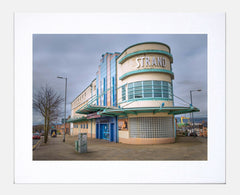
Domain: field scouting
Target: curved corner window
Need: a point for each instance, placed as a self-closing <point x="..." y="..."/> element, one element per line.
<point x="124" y="92"/>
<point x="150" y="89"/>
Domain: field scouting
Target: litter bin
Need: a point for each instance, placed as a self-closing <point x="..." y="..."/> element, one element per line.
<point x="82" y="142"/>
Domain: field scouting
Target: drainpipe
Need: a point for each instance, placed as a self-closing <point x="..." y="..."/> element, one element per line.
<point x="109" y="129"/>
<point x="116" y="127"/>
<point x="91" y="128"/>
<point x="175" y="133"/>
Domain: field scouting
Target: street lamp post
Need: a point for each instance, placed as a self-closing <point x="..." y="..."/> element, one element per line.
<point x="191" y="105"/>
<point x="65" y="99"/>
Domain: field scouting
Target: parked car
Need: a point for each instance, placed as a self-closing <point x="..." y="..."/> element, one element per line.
<point x="36" y="136"/>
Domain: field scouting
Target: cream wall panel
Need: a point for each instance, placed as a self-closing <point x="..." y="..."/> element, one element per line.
<point x="123" y="134"/>
<point x="131" y="64"/>
<point x="158" y="114"/>
<point x="146" y="77"/>
<point x="146" y="103"/>
<point x="145" y="47"/>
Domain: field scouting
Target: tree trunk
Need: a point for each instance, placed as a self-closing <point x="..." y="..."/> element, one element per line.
<point x="45" y="130"/>
<point x="47" y="126"/>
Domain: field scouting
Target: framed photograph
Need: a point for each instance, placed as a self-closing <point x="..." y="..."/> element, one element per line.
<point x="137" y="101"/>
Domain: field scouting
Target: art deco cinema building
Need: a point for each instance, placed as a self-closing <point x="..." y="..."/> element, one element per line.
<point x="131" y="99"/>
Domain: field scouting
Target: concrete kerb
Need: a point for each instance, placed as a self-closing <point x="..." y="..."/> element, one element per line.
<point x="37" y="144"/>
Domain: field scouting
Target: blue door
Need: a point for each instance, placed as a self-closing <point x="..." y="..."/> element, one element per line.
<point x="97" y="131"/>
<point x="112" y="132"/>
<point x="104" y="131"/>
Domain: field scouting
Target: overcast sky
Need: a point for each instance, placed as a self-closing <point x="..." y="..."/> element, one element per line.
<point x="78" y="56"/>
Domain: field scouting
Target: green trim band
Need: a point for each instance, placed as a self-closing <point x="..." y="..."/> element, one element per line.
<point x="75" y="120"/>
<point x="145" y="43"/>
<point x="146" y="99"/>
<point x="169" y="110"/>
<point x="146" y="70"/>
<point x="146" y="51"/>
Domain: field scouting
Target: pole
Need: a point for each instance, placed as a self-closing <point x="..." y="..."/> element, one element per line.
<point x="191" y="105"/>
<point x="60" y="77"/>
<point x="65" y="109"/>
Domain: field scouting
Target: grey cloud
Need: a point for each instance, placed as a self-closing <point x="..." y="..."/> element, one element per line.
<point x="78" y="56"/>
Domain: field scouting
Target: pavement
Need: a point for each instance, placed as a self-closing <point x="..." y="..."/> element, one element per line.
<point x="185" y="148"/>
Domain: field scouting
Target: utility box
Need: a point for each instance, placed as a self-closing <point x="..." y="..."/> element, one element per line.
<point x="82" y="142"/>
<point x="76" y="145"/>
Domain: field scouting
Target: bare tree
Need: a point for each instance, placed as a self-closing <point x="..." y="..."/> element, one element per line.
<point x="47" y="102"/>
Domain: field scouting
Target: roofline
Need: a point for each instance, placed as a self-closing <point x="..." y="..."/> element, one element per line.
<point x="83" y="91"/>
<point x="146" y="43"/>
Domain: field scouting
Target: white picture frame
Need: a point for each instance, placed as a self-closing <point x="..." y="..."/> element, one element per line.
<point x="29" y="171"/>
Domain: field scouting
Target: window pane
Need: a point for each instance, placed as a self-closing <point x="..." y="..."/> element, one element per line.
<point x="157" y="94"/>
<point x="130" y="89"/>
<point x="157" y="87"/>
<point x="164" y="83"/>
<point x="165" y="95"/>
<point x="147" y="83"/>
<point x="156" y="82"/>
<point x="145" y="89"/>
<point x="157" y="90"/>
<point x="130" y="85"/>
<point x="123" y="93"/>
<point x="137" y="84"/>
<point x="165" y="87"/>
<point x="138" y="91"/>
<point x="138" y="88"/>
<point x="138" y="95"/>
<point x="147" y="92"/>
<point x="130" y="96"/>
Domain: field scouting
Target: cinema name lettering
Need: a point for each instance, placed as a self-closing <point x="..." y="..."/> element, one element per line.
<point x="151" y="61"/>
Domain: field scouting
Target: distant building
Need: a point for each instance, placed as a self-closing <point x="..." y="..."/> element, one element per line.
<point x="38" y="128"/>
<point x="60" y="127"/>
<point x="131" y="99"/>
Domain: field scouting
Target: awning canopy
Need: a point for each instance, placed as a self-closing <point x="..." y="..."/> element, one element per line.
<point x="75" y="120"/>
<point x="93" y="108"/>
<point x="169" y="110"/>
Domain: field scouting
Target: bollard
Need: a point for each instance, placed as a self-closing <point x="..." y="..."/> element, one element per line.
<point x="82" y="142"/>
